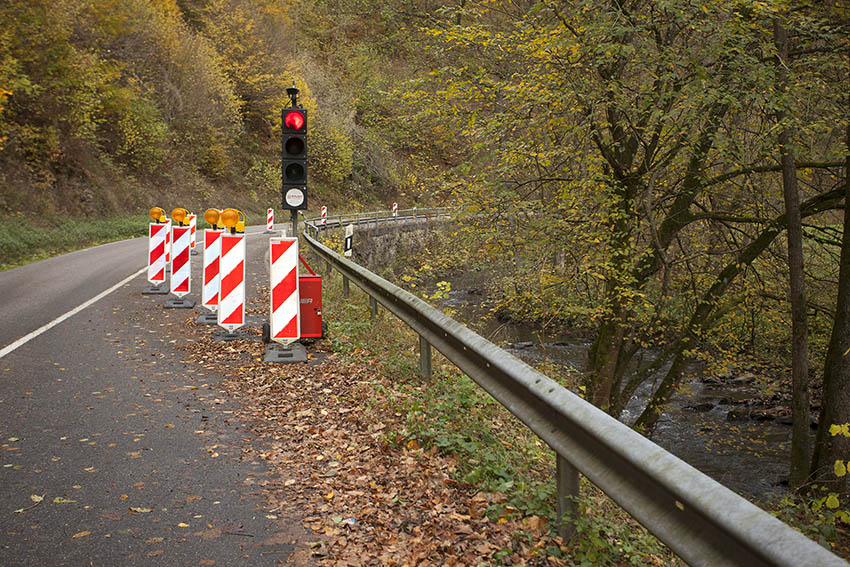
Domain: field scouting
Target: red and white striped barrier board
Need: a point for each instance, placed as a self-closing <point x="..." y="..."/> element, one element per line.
<point x="212" y="256"/>
<point x="193" y="225"/>
<point x="168" y="242"/>
<point x="283" y="282"/>
<point x="181" y="264"/>
<point x="395" y="209"/>
<point x="231" y="301"/>
<point x="270" y="220"/>
<point x="324" y="214"/>
<point x="156" y="252"/>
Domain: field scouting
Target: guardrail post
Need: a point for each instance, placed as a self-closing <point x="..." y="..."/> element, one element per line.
<point x="425" y="368"/>
<point x="373" y="303"/>
<point x="568" y="492"/>
<point x="345" y="286"/>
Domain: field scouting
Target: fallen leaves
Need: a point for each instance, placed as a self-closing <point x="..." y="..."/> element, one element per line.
<point x="139" y="510"/>
<point x="79" y="535"/>
<point x="366" y="502"/>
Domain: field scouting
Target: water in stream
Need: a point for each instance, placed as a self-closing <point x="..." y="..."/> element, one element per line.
<point x="750" y="457"/>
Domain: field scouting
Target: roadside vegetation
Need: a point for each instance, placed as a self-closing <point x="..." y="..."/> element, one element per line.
<point x="24" y="239"/>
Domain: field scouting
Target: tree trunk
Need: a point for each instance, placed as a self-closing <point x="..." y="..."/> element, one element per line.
<point x="835" y="407"/>
<point x="800" y="437"/>
<point x="601" y="369"/>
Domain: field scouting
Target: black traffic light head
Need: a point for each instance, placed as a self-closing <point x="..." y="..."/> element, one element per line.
<point x="294" y="158"/>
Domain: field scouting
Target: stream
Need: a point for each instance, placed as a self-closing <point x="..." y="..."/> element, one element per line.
<point x="706" y="424"/>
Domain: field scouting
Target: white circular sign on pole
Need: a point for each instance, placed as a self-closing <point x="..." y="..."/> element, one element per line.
<point x="295" y="197"/>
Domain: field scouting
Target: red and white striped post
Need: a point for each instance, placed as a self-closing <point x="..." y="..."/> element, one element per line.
<point x="284" y="298"/>
<point x="192" y="219"/>
<point x="231" y="301"/>
<point x="324" y="215"/>
<point x="156" y="257"/>
<point x="395" y="209"/>
<point x="270" y="220"/>
<point x="211" y="283"/>
<point x="181" y="268"/>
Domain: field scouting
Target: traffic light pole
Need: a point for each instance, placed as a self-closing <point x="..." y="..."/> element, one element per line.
<point x="294" y="223"/>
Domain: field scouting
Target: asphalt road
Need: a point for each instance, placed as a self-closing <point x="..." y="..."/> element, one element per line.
<point x="113" y="450"/>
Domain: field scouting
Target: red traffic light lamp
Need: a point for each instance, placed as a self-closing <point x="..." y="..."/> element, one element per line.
<point x="294" y="120"/>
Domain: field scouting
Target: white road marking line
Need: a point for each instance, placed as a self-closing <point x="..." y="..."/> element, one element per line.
<point x="27" y="338"/>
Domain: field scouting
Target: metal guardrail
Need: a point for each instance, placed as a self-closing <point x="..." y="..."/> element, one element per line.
<point x="374" y="218"/>
<point x="702" y="521"/>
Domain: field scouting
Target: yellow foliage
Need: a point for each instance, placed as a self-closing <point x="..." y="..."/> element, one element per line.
<point x="832" y="501"/>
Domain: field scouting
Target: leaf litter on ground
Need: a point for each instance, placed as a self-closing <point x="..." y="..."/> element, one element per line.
<point x="323" y="427"/>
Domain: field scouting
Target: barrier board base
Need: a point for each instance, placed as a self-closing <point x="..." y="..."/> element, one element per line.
<point x="156" y="290"/>
<point x="194" y="252"/>
<point x="229" y="336"/>
<point x="179" y="304"/>
<point x="207" y="319"/>
<point x="270" y="232"/>
<point x="295" y="352"/>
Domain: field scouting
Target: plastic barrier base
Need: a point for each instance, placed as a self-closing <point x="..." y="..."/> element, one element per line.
<point x="229" y="336"/>
<point x="161" y="289"/>
<point x="179" y="304"/>
<point x="280" y="354"/>
<point x="207" y="319"/>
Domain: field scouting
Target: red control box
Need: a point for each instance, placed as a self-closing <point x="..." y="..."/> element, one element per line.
<point x="311" y="305"/>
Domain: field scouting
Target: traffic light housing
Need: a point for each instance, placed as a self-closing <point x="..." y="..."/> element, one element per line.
<point x="294" y="158"/>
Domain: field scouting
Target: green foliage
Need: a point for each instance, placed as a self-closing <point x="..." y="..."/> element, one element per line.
<point x="604" y="539"/>
<point x="817" y="516"/>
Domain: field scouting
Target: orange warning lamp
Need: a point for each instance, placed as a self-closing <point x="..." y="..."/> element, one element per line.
<point x="157" y="214"/>
<point x="212" y="216"/>
<point x="230" y="219"/>
<point x="179" y="214"/>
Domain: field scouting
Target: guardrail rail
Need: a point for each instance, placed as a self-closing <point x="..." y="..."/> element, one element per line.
<point x="702" y="521"/>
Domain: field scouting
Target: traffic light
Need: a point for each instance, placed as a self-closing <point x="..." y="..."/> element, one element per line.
<point x="294" y="158"/>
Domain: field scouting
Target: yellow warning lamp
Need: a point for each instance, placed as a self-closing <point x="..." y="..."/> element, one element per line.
<point x="157" y="214"/>
<point x="230" y="219"/>
<point x="240" y="226"/>
<point x="179" y="214"/>
<point x="212" y="216"/>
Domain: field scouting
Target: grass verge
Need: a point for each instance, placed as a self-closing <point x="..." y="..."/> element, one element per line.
<point x="25" y="239"/>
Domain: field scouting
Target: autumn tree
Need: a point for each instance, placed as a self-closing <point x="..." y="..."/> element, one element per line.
<point x="638" y="136"/>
